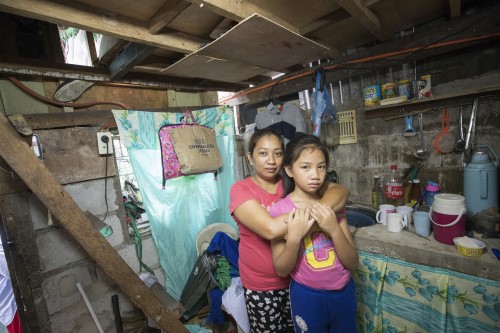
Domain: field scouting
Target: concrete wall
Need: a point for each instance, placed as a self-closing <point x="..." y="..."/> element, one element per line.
<point x="54" y="262"/>
<point x="381" y="143"/>
<point x="47" y="261"/>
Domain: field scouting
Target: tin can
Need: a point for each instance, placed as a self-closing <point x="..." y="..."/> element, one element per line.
<point x="388" y="90"/>
<point x="405" y="88"/>
<point x="372" y="95"/>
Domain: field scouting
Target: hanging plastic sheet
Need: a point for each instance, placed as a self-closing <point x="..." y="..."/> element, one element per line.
<point x="187" y="204"/>
<point x="323" y="108"/>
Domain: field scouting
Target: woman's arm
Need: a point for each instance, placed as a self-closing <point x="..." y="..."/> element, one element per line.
<point x="285" y="251"/>
<point x="257" y="218"/>
<point x="340" y="234"/>
<point x="334" y="196"/>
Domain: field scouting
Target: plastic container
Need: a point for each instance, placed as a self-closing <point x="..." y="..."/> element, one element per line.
<point x="480" y="181"/>
<point x="393" y="188"/>
<point x="470" y="251"/>
<point x="447" y="213"/>
<point x="431" y="190"/>
<point x="372" y="95"/>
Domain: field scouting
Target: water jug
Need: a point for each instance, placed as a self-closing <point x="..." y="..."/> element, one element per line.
<point x="480" y="181"/>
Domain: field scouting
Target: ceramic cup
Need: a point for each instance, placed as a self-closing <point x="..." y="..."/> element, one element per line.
<point x="396" y="222"/>
<point x="422" y="223"/>
<point x="408" y="212"/>
<point x="382" y="212"/>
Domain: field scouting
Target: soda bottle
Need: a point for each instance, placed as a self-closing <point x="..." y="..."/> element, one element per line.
<point x="393" y="188"/>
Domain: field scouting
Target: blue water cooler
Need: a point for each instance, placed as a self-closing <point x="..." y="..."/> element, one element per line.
<point x="480" y="181"/>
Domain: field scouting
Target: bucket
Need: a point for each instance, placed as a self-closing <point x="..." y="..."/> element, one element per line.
<point x="447" y="213"/>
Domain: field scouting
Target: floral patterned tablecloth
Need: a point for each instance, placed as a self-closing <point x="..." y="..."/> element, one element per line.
<point x="398" y="296"/>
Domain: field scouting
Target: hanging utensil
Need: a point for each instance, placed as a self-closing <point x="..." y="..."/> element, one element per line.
<point x="460" y="143"/>
<point x="469" y="141"/>
<point x="409" y="131"/>
<point x="444" y="142"/>
<point x="422" y="153"/>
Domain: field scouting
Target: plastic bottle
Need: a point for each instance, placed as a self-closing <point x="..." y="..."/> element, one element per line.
<point x="393" y="188"/>
<point x="377" y="192"/>
<point x="431" y="190"/>
<point x="415" y="193"/>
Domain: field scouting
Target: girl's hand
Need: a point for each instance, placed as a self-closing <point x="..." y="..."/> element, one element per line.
<point x="325" y="217"/>
<point x="299" y="222"/>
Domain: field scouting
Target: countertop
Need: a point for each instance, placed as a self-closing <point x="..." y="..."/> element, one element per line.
<point x="412" y="248"/>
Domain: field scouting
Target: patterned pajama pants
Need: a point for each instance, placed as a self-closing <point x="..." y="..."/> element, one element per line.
<point x="269" y="311"/>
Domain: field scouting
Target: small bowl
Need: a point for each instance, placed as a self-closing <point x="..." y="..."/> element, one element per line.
<point x="468" y="251"/>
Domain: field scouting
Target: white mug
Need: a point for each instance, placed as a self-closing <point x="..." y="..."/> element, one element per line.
<point x="396" y="222"/>
<point x="383" y="210"/>
<point x="407" y="211"/>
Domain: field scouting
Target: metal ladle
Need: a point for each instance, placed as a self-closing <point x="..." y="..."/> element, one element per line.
<point x="422" y="153"/>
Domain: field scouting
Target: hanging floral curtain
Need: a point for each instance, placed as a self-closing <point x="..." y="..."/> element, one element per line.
<point x="187" y="204"/>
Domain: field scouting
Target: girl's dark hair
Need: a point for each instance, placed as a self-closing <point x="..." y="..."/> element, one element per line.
<point x="292" y="152"/>
<point x="259" y="133"/>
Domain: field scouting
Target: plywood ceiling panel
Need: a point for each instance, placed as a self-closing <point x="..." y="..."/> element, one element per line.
<point x="253" y="46"/>
<point x="201" y="66"/>
<point x="260" y="42"/>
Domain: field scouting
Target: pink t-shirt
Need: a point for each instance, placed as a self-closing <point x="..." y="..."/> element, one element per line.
<point x="256" y="260"/>
<point x="318" y="265"/>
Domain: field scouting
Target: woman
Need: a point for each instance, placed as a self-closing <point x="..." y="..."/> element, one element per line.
<point x="266" y="293"/>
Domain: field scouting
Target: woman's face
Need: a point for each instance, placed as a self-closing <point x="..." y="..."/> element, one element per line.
<point x="267" y="157"/>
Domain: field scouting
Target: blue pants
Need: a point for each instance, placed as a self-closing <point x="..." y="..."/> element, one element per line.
<point x="323" y="311"/>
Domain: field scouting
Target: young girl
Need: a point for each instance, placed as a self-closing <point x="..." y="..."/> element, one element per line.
<point x="319" y="258"/>
<point x="266" y="293"/>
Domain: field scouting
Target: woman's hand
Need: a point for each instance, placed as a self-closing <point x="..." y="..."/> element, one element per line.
<point x="325" y="217"/>
<point x="299" y="222"/>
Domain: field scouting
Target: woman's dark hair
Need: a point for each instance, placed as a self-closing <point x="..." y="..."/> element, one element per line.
<point x="292" y="152"/>
<point x="259" y="133"/>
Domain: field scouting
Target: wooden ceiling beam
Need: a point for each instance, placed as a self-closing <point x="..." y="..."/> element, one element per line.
<point x="455" y="8"/>
<point x="100" y="76"/>
<point x="108" y="23"/>
<point x="165" y="15"/>
<point x="365" y="17"/>
<point x="240" y="10"/>
<point x="132" y="55"/>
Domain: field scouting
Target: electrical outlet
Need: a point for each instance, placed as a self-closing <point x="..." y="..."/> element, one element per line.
<point x="104" y="143"/>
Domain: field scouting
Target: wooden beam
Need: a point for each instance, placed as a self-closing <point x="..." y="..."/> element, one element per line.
<point x="112" y="50"/>
<point x="39" y="121"/>
<point x="366" y="17"/>
<point x="84" y="17"/>
<point x="92" y="49"/>
<point x="165" y="15"/>
<point x="240" y="10"/>
<point x="100" y="75"/>
<point x="455" y="8"/>
<point x="132" y="55"/>
<point x="39" y="179"/>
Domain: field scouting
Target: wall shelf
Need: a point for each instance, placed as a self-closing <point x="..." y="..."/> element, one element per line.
<point x="455" y="98"/>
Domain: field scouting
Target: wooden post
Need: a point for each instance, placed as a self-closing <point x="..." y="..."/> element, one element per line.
<point x="38" y="178"/>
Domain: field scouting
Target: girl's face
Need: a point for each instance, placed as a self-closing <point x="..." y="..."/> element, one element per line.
<point x="308" y="171"/>
<point x="267" y="157"/>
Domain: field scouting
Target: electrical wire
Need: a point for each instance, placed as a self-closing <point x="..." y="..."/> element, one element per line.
<point x="57" y="103"/>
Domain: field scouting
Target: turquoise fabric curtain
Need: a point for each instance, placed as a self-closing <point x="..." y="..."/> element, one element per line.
<point x="187" y="204"/>
<point x="396" y="296"/>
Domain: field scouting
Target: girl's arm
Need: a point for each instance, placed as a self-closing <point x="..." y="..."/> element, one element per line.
<point x="340" y="234"/>
<point x="257" y="218"/>
<point x="334" y="196"/>
<point x="285" y="251"/>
